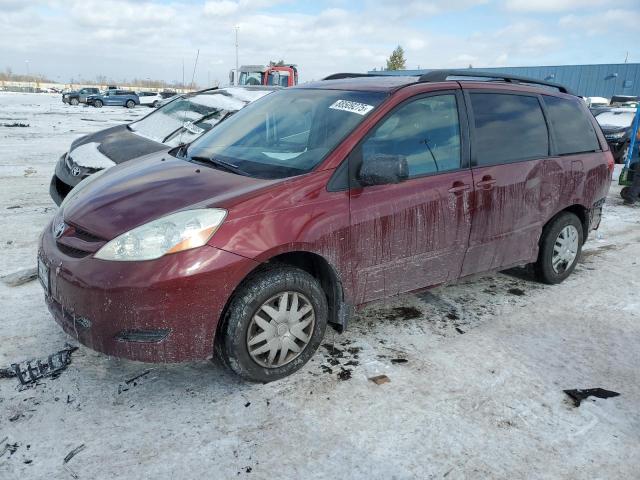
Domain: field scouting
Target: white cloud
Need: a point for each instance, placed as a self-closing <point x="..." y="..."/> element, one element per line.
<point x="220" y="8"/>
<point x="559" y="5"/>
<point x="599" y="23"/>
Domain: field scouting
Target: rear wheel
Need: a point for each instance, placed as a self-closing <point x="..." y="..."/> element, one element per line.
<point x="74" y="101"/>
<point x="130" y="104"/>
<point x="156" y="104"/>
<point x="274" y="324"/>
<point x="98" y="103"/>
<point x="560" y="248"/>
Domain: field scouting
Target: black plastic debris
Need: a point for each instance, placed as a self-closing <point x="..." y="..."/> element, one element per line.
<point x="51" y="366"/>
<point x="579" y="395"/>
<point x="73" y="453"/>
<point x="7" y="373"/>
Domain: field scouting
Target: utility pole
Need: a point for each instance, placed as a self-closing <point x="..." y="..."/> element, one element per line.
<point x="235" y="77"/>
<point x="626" y="57"/>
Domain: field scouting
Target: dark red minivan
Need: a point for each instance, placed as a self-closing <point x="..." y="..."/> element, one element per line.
<point x="315" y="200"/>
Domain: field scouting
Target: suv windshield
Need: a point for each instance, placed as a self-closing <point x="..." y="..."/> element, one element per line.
<point x="287" y="133"/>
<point x="186" y="118"/>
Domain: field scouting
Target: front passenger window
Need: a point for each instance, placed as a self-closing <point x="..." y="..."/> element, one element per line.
<point x="425" y="131"/>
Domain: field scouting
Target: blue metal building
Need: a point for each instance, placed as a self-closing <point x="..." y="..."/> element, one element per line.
<point x="603" y="80"/>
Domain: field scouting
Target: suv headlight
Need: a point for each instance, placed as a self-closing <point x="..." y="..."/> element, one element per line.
<point x="173" y="233"/>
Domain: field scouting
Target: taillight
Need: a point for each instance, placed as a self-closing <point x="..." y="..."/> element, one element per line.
<point x="611" y="163"/>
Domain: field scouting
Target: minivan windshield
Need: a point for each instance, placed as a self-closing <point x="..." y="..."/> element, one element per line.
<point x="615" y="119"/>
<point x="286" y="133"/>
<point x="186" y="118"/>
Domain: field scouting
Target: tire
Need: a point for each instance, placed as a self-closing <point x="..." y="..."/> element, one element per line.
<point x="239" y="327"/>
<point x="130" y="104"/>
<point x="155" y="104"/>
<point x="550" y="248"/>
<point x="97" y="103"/>
<point x="74" y="101"/>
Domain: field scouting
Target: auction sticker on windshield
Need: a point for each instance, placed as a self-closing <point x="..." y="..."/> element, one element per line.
<point x="353" y="107"/>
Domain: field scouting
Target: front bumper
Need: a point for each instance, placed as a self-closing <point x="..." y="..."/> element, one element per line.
<point x="62" y="181"/>
<point x="163" y="310"/>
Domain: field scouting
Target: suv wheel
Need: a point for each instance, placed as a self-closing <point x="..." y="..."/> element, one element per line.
<point x="560" y="248"/>
<point x="156" y="104"/>
<point x="97" y="103"/>
<point x="74" y="101"/>
<point x="130" y="104"/>
<point x="274" y="324"/>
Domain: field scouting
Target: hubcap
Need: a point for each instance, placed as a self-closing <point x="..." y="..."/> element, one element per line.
<point x="280" y="329"/>
<point x="565" y="249"/>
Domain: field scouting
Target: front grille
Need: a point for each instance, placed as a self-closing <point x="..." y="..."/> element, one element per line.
<point x="72" y="252"/>
<point x="86" y="236"/>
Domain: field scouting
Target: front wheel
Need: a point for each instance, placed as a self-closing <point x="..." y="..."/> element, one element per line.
<point x="274" y="324"/>
<point x="560" y="248"/>
<point x="98" y="103"/>
<point x="130" y="104"/>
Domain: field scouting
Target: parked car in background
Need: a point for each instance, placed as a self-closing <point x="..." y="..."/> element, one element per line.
<point x="317" y="199"/>
<point x="616" y="124"/>
<point x="624" y="101"/>
<point x="117" y="98"/>
<point x="176" y="123"/>
<point x="150" y="99"/>
<point x="595" y="102"/>
<point x="76" y="97"/>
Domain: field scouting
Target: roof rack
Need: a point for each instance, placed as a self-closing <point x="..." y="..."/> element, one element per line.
<point x="339" y="76"/>
<point x="443" y="75"/>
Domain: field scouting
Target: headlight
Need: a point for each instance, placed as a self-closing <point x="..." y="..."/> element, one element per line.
<point x="173" y="233"/>
<point x="616" y="135"/>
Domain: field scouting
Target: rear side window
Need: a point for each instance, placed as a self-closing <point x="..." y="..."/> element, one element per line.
<point x="508" y="128"/>
<point x="573" y="131"/>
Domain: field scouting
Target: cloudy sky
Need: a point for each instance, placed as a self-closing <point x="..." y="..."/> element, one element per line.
<point x="150" y="39"/>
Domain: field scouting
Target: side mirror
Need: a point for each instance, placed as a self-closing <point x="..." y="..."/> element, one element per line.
<point x="381" y="169"/>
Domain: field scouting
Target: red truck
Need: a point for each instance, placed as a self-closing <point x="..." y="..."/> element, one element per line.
<point x="280" y="75"/>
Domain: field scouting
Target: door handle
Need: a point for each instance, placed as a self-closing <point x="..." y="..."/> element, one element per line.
<point x="459" y="187"/>
<point x="486" y="183"/>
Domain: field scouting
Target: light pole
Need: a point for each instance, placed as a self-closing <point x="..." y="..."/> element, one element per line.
<point x="235" y="77"/>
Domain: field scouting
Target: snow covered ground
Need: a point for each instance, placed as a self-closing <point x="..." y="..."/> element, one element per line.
<point x="479" y="395"/>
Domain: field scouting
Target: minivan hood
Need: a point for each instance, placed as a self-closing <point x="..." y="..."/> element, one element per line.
<point x="134" y="193"/>
<point x="119" y="144"/>
<point x="609" y="129"/>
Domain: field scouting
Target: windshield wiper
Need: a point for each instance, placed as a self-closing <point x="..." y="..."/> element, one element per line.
<point x="221" y="164"/>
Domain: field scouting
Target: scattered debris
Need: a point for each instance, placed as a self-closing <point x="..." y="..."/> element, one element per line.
<point x="344" y="374"/>
<point x="402" y="313"/>
<point x="13" y="207"/>
<point x="247" y="404"/>
<point x="32" y="370"/>
<point x="459" y="330"/>
<point x="7" y="373"/>
<point x="15" y="124"/>
<point x="133" y="379"/>
<point x="399" y="360"/>
<point x="73" y="453"/>
<point x="20" y="277"/>
<point x="581" y="394"/>
<point x="380" y="379"/>
<point x="516" y="291"/>
<point x="29" y="171"/>
<point x="8" y="447"/>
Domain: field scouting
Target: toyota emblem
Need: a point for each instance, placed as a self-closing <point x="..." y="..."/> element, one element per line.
<point x="75" y="171"/>
<point x="59" y="229"/>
